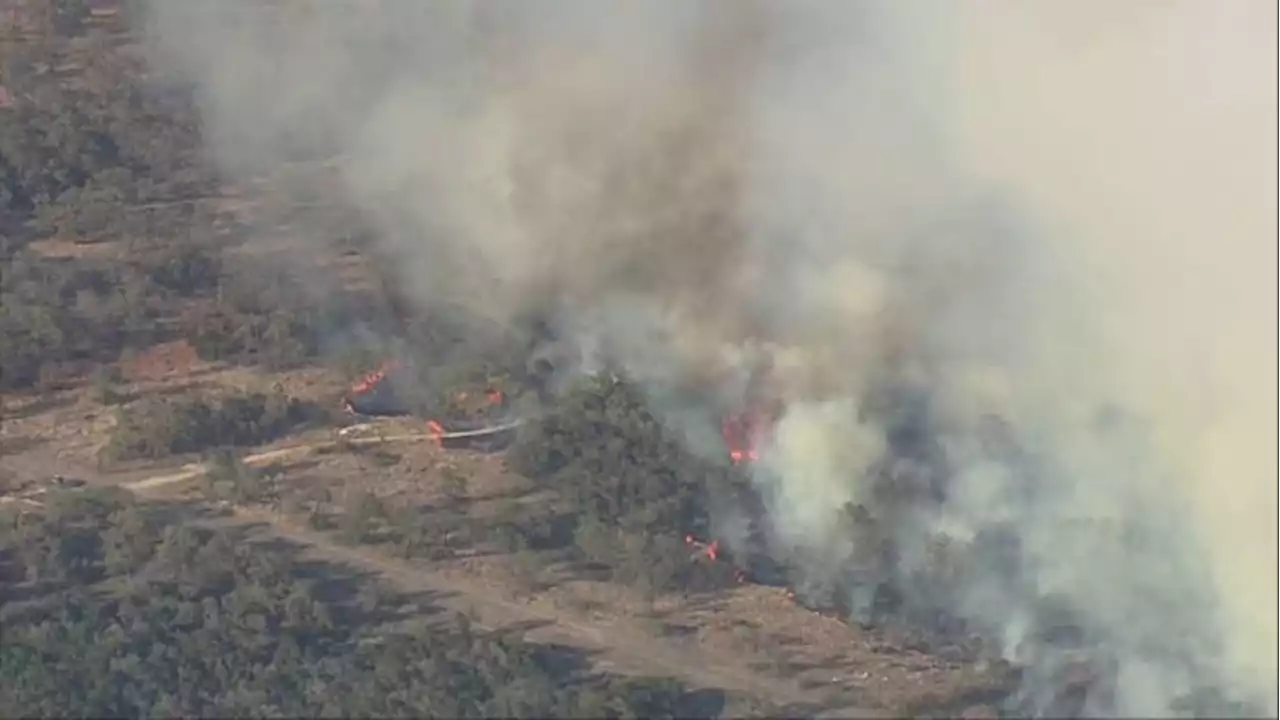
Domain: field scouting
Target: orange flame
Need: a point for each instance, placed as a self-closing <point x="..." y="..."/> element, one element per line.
<point x="711" y="549"/>
<point x="495" y="397"/>
<point x="436" y="430"/>
<point x="369" y="381"/>
<point x="743" y="433"/>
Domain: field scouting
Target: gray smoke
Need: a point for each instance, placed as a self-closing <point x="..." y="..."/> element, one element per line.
<point x="1054" y="218"/>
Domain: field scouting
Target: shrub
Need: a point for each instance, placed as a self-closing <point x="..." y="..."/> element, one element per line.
<point x="158" y="427"/>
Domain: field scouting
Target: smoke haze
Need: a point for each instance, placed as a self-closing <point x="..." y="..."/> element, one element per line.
<point x="1058" y="215"/>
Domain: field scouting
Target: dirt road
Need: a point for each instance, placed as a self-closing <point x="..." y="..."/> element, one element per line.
<point x="618" y="644"/>
<point x="620" y="649"/>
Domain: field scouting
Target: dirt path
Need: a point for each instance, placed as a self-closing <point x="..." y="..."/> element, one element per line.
<point x="192" y="471"/>
<point x="618" y="645"/>
<point x="620" y="649"/>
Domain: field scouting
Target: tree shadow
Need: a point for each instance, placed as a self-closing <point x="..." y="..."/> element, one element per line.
<point x="287" y="470"/>
<point x="679" y="631"/>
<point x="702" y="703"/>
<point x="519" y="629"/>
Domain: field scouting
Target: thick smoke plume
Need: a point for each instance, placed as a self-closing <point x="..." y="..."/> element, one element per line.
<point x="1051" y="226"/>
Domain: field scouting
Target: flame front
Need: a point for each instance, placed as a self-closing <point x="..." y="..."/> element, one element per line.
<point x="372" y="379"/>
<point x="436" y="430"/>
<point x="744" y="434"/>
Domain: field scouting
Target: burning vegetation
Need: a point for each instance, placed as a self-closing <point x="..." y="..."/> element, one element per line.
<point x="744" y="434"/>
<point x="464" y="418"/>
<point x="733" y="540"/>
<point x="955" y="533"/>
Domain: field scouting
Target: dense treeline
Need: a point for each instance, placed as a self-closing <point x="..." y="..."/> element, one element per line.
<point x="632" y="472"/>
<point x="115" y="609"/>
<point x="629" y="490"/>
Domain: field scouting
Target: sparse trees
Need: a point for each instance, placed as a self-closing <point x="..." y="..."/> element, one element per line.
<point x="211" y="624"/>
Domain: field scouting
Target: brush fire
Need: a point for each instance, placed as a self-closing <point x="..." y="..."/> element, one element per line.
<point x="746" y="430"/>
<point x="743" y="436"/>
<point x="711" y="551"/>
<point x="474" y="419"/>
<point x="469" y="419"/>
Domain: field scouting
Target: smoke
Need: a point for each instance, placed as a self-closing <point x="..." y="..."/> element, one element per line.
<point x="1050" y="227"/>
<point x="1146" y="143"/>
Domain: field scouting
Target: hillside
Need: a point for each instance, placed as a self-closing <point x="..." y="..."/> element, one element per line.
<point x="147" y="324"/>
<point x="292" y="425"/>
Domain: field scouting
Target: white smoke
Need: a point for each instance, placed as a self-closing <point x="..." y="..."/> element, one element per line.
<point x="1060" y="216"/>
